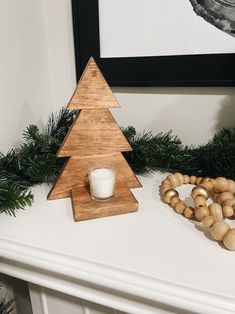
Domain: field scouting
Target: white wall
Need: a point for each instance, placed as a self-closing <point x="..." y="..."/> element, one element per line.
<point x="194" y="114"/>
<point x="38" y="75"/>
<point x="37" y="71"/>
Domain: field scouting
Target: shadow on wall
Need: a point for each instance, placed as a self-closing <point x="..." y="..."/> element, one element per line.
<point x="226" y="114"/>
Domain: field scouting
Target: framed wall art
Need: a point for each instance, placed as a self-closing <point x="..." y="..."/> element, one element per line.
<point x="157" y="43"/>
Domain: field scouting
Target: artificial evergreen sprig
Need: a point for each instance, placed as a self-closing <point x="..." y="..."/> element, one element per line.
<point x="6" y="306"/>
<point x="13" y="196"/>
<point x="59" y="123"/>
<point x="35" y="162"/>
<point x="151" y="152"/>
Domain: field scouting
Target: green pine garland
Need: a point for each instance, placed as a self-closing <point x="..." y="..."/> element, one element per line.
<point x="6" y="306"/>
<point x="35" y="162"/>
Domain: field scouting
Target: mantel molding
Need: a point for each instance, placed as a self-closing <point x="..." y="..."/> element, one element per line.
<point x="104" y="284"/>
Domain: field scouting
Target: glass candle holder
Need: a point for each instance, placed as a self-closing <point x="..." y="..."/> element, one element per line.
<point x="102" y="182"/>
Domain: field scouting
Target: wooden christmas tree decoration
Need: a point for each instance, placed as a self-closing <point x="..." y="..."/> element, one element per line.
<point x="94" y="136"/>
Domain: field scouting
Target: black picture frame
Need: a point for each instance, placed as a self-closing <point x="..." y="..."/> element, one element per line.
<point x="185" y="70"/>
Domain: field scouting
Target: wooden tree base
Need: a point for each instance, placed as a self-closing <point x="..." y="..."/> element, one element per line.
<point x="84" y="207"/>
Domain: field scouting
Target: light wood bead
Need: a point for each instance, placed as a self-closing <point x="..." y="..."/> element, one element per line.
<point x="208" y="185"/>
<point x="216" y="211"/>
<point x="206" y="179"/>
<point x="163" y="189"/>
<point x="180" y="177"/>
<point x="221" y="184"/>
<point x="201" y="213"/>
<point x="227" y="211"/>
<point x="192" y="179"/>
<point x="200" y="191"/>
<point x="218" y="230"/>
<point x="169" y="194"/>
<point x="221" y="190"/>
<point x="199" y="201"/>
<point x="179" y="208"/>
<point x="208" y="221"/>
<point x="175" y="200"/>
<point x="166" y="183"/>
<point x="231" y="186"/>
<point x="199" y="180"/>
<point x="229" y="240"/>
<point x="174" y="180"/>
<point x="189" y="212"/>
<point x="229" y="202"/>
<point x="213" y="182"/>
<point x="186" y="179"/>
<point x="222" y="197"/>
<point x="216" y="195"/>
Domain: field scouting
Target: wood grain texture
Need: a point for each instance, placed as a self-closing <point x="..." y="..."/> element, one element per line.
<point x="75" y="173"/>
<point x="84" y="208"/>
<point x="92" y="90"/>
<point x="94" y="137"/>
<point x="93" y="132"/>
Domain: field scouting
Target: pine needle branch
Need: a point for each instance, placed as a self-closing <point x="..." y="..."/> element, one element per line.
<point x="35" y="161"/>
<point x="151" y="152"/>
<point x="13" y="196"/>
<point x="59" y="123"/>
<point x="6" y="306"/>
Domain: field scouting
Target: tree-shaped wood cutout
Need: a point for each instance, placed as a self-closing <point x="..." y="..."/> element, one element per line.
<point x="94" y="136"/>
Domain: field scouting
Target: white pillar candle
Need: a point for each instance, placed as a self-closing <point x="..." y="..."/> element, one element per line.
<point x="102" y="183"/>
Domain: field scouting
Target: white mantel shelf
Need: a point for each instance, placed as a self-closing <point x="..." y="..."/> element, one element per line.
<point x="135" y="263"/>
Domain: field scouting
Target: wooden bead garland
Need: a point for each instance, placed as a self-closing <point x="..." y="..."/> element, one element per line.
<point x="221" y="189"/>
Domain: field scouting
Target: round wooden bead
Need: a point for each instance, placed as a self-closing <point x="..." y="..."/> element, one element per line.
<point x="175" y="200"/>
<point x="189" y="212"/>
<point x="231" y="186"/>
<point x="169" y="194"/>
<point x="205" y="179"/>
<point x="199" y="201"/>
<point x="174" y="180"/>
<point x="227" y="211"/>
<point x="163" y="189"/>
<point x="213" y="182"/>
<point x="165" y="182"/>
<point x="192" y="179"/>
<point x="201" y="213"/>
<point x="199" y="180"/>
<point x="222" y="197"/>
<point x="208" y="185"/>
<point x="200" y="191"/>
<point x="180" y="177"/>
<point x="216" y="211"/>
<point x="216" y="195"/>
<point x="186" y="179"/>
<point x="229" y="240"/>
<point x="218" y="230"/>
<point x="229" y="202"/>
<point x="221" y="184"/>
<point x="179" y="208"/>
<point x="208" y="221"/>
